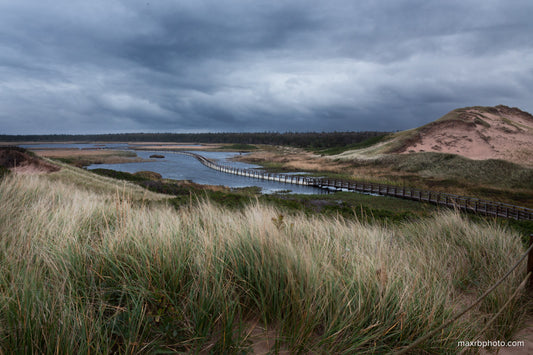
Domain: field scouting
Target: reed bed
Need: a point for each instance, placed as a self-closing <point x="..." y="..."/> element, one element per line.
<point x="87" y="272"/>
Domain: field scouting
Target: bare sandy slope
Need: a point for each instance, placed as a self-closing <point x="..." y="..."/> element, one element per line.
<point x="497" y="132"/>
<point x="479" y="133"/>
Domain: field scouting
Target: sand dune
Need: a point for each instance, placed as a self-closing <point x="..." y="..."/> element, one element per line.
<point x="497" y="132"/>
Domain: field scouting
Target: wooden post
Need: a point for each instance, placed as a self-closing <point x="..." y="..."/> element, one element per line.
<point x="530" y="264"/>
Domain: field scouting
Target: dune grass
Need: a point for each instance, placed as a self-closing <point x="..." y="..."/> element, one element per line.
<point x="491" y="172"/>
<point x="102" y="185"/>
<point x="490" y="179"/>
<point x="364" y="144"/>
<point x="93" y="272"/>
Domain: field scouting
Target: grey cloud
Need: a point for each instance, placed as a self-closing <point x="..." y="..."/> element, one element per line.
<point x="77" y="66"/>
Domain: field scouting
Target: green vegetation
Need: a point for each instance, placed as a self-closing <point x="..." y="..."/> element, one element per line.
<point x="89" y="263"/>
<point x="120" y="175"/>
<point x="3" y="171"/>
<point x="146" y="180"/>
<point x="149" y="175"/>
<point x="346" y="204"/>
<point x="86" y="160"/>
<point x="364" y="144"/>
<point x="491" y="179"/>
<point x="239" y="147"/>
<point x="84" y="270"/>
<point x="296" y="139"/>
<point x="274" y="167"/>
<point x="497" y="173"/>
<point x="352" y="206"/>
<point x="101" y="184"/>
<point x="482" y="122"/>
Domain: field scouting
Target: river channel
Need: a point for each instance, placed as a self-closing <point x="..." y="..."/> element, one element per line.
<point x="183" y="167"/>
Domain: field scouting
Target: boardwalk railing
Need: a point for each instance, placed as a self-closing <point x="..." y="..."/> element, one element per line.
<point x="470" y="204"/>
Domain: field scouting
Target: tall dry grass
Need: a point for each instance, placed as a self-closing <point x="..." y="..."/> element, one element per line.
<point x="81" y="272"/>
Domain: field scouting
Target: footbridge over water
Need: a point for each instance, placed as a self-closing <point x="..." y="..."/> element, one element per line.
<point x="469" y="204"/>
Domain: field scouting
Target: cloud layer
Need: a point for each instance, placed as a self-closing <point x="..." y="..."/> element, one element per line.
<point x="193" y="66"/>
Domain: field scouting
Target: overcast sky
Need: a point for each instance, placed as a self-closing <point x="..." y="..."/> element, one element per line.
<point x="103" y="66"/>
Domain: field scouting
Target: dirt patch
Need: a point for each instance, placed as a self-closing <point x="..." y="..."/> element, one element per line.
<point x="21" y="161"/>
<point x="264" y="341"/>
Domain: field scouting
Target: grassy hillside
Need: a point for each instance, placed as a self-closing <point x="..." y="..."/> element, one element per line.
<point x="491" y="179"/>
<point x="477" y="132"/>
<point x="87" y="265"/>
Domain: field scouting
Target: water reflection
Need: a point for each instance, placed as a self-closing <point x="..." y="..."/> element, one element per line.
<point x="183" y="167"/>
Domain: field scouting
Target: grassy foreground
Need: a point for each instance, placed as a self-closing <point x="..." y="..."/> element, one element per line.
<point x="86" y="271"/>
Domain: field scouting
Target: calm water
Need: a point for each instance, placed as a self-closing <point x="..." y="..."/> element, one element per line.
<point x="182" y="167"/>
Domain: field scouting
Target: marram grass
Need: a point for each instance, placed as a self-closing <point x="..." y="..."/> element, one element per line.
<point x="86" y="272"/>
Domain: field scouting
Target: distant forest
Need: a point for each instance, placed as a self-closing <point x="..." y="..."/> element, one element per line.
<point x="316" y="140"/>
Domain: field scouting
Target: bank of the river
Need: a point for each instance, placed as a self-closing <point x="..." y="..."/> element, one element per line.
<point x="134" y="157"/>
<point x="177" y="166"/>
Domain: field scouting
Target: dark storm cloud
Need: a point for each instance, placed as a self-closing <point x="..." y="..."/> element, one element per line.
<point x="122" y="66"/>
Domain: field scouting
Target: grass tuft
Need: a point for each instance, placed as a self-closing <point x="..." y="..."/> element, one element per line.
<point x="82" y="271"/>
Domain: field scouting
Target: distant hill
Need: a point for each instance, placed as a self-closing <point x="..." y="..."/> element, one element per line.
<point x="478" y="132"/>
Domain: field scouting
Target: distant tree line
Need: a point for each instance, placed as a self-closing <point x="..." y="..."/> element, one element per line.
<point x="316" y="140"/>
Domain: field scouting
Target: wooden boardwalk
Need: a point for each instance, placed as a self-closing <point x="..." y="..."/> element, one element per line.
<point x="489" y="208"/>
